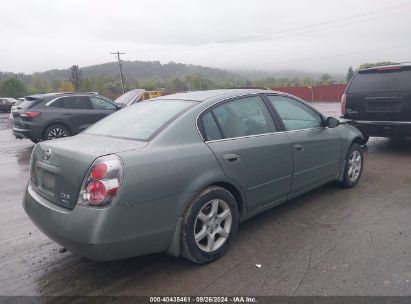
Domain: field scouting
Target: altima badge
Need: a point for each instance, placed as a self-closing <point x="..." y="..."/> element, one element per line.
<point x="48" y="154"/>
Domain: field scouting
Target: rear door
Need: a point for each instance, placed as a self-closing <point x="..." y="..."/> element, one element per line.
<point x="380" y="94"/>
<point x="244" y="138"/>
<point x="316" y="149"/>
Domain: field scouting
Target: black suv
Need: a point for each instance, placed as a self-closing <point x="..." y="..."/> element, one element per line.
<point x="378" y="101"/>
<point x="55" y="115"/>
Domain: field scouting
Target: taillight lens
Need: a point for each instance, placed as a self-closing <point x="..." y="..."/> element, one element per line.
<point x="99" y="171"/>
<point x="30" y="114"/>
<point x="102" y="183"/>
<point x="343" y="104"/>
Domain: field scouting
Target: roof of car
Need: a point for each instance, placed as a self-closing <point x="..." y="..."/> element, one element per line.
<point x="200" y="96"/>
<point x="388" y="66"/>
<point x="46" y="95"/>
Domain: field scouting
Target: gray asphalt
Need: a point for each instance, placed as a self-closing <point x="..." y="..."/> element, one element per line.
<point x="331" y="241"/>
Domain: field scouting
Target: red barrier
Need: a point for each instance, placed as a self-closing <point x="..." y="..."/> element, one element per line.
<point x="325" y="93"/>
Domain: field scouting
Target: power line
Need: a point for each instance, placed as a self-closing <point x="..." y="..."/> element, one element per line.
<point x="297" y="30"/>
<point x="314" y="25"/>
<point x="121" y="71"/>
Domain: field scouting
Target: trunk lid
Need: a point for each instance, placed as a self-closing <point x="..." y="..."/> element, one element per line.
<point x="380" y="94"/>
<point x="58" y="167"/>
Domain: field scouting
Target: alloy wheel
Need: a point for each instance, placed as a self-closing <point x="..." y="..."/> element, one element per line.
<point x="56" y="132"/>
<point x="354" y="165"/>
<point x="213" y="225"/>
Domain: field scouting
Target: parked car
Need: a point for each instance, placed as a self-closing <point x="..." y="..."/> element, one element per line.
<point x="5" y="104"/>
<point x="179" y="173"/>
<point x="55" y="115"/>
<point x="15" y="105"/>
<point x="378" y="101"/>
<point x="130" y="97"/>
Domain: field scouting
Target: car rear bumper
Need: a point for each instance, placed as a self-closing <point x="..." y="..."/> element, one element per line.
<point x="383" y="128"/>
<point x="23" y="133"/>
<point x="99" y="234"/>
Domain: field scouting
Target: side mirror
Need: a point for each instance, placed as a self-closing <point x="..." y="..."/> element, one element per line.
<point x="332" y="122"/>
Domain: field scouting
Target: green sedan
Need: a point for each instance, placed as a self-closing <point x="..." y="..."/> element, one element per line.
<point x="178" y="173"/>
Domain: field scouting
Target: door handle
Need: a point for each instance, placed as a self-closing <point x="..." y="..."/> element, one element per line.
<point x="231" y="157"/>
<point x="299" y="147"/>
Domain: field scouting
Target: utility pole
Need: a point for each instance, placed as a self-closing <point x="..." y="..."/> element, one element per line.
<point x="121" y="71"/>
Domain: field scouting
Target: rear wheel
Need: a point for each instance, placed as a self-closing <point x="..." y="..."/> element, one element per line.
<point x="354" y="164"/>
<point x="209" y="225"/>
<point x="56" y="131"/>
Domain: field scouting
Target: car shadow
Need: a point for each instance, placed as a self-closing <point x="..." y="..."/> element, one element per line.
<point x="145" y="274"/>
<point x="394" y="146"/>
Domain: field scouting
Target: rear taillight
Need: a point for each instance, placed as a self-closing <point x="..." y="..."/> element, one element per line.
<point x="343" y="104"/>
<point x="30" y="114"/>
<point x="102" y="183"/>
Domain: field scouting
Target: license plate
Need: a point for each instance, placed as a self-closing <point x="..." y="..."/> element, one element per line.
<point x="49" y="182"/>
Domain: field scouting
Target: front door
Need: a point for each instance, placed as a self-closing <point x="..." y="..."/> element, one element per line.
<point x="316" y="149"/>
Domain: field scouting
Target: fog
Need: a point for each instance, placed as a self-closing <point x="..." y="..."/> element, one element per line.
<point x="313" y="36"/>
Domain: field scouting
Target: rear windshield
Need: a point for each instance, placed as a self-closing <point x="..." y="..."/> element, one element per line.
<point x="386" y="81"/>
<point x="28" y="103"/>
<point x="141" y="120"/>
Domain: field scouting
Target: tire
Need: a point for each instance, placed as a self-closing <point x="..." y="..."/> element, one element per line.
<point x="202" y="220"/>
<point x="56" y="131"/>
<point x="354" y="164"/>
<point x="35" y="140"/>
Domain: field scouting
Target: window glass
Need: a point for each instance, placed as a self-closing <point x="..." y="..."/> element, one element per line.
<point x="381" y="81"/>
<point x="243" y="117"/>
<point x="59" y="103"/>
<point x="210" y="127"/>
<point x="294" y="114"/>
<point x="77" y="102"/>
<point x="101" y="104"/>
<point x="139" y="121"/>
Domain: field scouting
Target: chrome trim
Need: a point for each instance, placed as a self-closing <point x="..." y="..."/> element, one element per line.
<point x="48" y="103"/>
<point x="254" y="93"/>
<point x="241" y="137"/>
<point x="258" y="135"/>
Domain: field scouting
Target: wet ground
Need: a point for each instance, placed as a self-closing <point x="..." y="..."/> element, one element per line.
<point x="331" y="241"/>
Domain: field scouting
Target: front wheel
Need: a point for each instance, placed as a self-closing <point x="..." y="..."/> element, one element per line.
<point x="209" y="225"/>
<point x="56" y="131"/>
<point x="354" y="164"/>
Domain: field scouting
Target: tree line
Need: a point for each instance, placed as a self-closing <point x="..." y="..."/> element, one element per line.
<point x="110" y="86"/>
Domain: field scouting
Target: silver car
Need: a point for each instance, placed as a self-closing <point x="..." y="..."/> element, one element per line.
<point x="177" y="174"/>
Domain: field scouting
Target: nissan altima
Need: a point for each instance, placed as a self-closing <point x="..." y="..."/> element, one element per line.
<point x="178" y="173"/>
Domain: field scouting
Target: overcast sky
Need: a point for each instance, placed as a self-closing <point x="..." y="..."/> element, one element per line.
<point x="315" y="35"/>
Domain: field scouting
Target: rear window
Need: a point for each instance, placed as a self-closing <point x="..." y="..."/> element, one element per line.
<point x="385" y="81"/>
<point x="140" y="121"/>
<point x="28" y="103"/>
